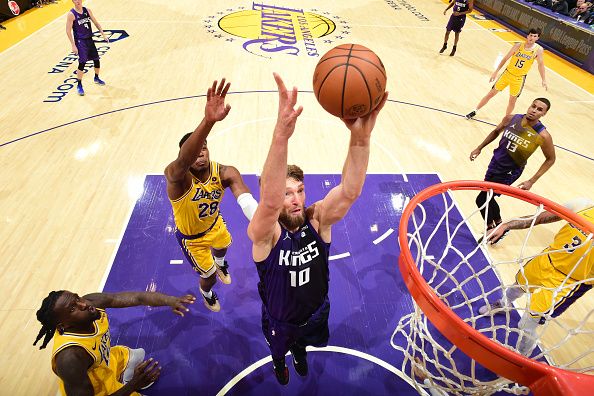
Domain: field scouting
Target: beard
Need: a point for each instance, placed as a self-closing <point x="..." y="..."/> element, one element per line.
<point x="291" y="222"/>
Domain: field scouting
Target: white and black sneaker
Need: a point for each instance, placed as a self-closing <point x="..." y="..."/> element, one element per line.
<point x="212" y="302"/>
<point x="223" y="273"/>
<point x="470" y="115"/>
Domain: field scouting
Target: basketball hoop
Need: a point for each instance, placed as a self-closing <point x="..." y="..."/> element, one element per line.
<point x="431" y="275"/>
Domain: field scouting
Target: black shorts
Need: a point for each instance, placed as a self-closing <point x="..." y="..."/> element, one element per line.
<point x="282" y="336"/>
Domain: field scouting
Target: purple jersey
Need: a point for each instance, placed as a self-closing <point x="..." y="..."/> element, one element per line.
<point x="294" y="277"/>
<point x="461" y="6"/>
<point x="81" y="27"/>
<point x="518" y="142"/>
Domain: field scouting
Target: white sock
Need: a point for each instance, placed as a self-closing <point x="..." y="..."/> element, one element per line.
<point x="513" y="293"/>
<point x="528" y="326"/>
<point x="219" y="261"/>
<point x="207" y="294"/>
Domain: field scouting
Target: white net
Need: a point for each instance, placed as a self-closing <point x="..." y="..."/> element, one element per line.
<point x="512" y="293"/>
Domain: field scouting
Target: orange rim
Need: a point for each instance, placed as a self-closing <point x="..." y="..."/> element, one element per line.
<point x="542" y="379"/>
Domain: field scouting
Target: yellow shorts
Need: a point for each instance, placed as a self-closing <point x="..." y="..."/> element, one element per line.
<point x="542" y="280"/>
<point x="516" y="83"/>
<point x="107" y="380"/>
<point x="197" y="251"/>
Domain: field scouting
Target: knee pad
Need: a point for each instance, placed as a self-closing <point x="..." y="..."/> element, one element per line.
<point x="97" y="64"/>
<point x="81" y="66"/>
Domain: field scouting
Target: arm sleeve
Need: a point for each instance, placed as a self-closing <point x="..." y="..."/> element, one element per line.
<point x="248" y="205"/>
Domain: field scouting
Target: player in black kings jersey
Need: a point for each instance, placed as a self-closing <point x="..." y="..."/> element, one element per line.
<point x="291" y="242"/>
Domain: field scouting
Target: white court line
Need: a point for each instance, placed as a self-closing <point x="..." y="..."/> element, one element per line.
<point x="173" y="262"/>
<point x="339" y="256"/>
<point x="117" y="247"/>
<point x="398" y="164"/>
<point x="330" y="348"/>
<point x="383" y="236"/>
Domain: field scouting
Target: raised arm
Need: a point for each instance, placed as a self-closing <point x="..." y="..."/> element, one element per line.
<point x="339" y="200"/>
<point x="264" y="224"/>
<point x="97" y="24"/>
<point x="215" y="110"/>
<point x="133" y="299"/>
<point x="541" y="67"/>
<point x="69" y="22"/>
<point x="491" y="136"/>
<point x="548" y="149"/>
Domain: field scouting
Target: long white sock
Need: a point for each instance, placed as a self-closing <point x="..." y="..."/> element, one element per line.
<point x="527" y="341"/>
<point x="513" y="293"/>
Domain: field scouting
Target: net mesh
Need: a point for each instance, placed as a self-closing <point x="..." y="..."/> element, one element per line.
<point x="467" y="275"/>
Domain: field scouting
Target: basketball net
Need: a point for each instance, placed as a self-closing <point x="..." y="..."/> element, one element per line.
<point x="465" y="275"/>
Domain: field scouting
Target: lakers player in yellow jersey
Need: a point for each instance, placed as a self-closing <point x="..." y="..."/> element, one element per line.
<point x="521" y="57"/>
<point x="561" y="274"/>
<point x="83" y="357"/>
<point x="195" y="187"/>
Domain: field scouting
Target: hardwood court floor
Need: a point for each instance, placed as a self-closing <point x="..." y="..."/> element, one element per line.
<point x="72" y="168"/>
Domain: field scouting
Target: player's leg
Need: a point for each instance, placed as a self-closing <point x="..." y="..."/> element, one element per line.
<point x="278" y="337"/>
<point x="500" y="84"/>
<point x="221" y="240"/>
<point x="79" y="76"/>
<point x="97" y="65"/>
<point x="515" y="89"/>
<point x="198" y="254"/>
<point x="445" y="41"/>
<point x="315" y="333"/>
<point x="456" y="37"/>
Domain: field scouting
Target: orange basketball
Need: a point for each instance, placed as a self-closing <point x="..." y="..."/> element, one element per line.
<point x="349" y="81"/>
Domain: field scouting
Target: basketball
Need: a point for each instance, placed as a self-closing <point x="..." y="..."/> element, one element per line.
<point x="349" y="81"/>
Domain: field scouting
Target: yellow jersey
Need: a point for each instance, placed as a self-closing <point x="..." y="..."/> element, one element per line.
<point x="521" y="62"/>
<point x="196" y="211"/>
<point x="570" y="240"/>
<point x="106" y="367"/>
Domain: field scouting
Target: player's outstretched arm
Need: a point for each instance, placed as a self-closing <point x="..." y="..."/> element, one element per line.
<point x="490" y="137"/>
<point x="133" y="299"/>
<point x="548" y="149"/>
<point x="339" y="200"/>
<point x="264" y="224"/>
<point x="214" y="111"/>
<point x="452" y="2"/>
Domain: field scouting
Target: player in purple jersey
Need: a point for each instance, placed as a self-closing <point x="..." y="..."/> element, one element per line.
<point x="291" y="242"/>
<point x="522" y="135"/>
<point x="456" y="22"/>
<point x="78" y="22"/>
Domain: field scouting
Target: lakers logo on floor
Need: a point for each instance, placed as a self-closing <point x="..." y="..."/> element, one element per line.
<point x="269" y="30"/>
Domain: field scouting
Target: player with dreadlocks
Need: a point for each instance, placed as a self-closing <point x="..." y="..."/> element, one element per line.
<point x="82" y="355"/>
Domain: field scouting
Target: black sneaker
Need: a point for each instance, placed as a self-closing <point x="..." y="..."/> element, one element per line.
<point x="453" y="51"/>
<point x="470" y="115"/>
<point x="212" y="303"/>
<point x="282" y="374"/>
<point x="223" y="273"/>
<point x="443" y="48"/>
<point x="300" y="364"/>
